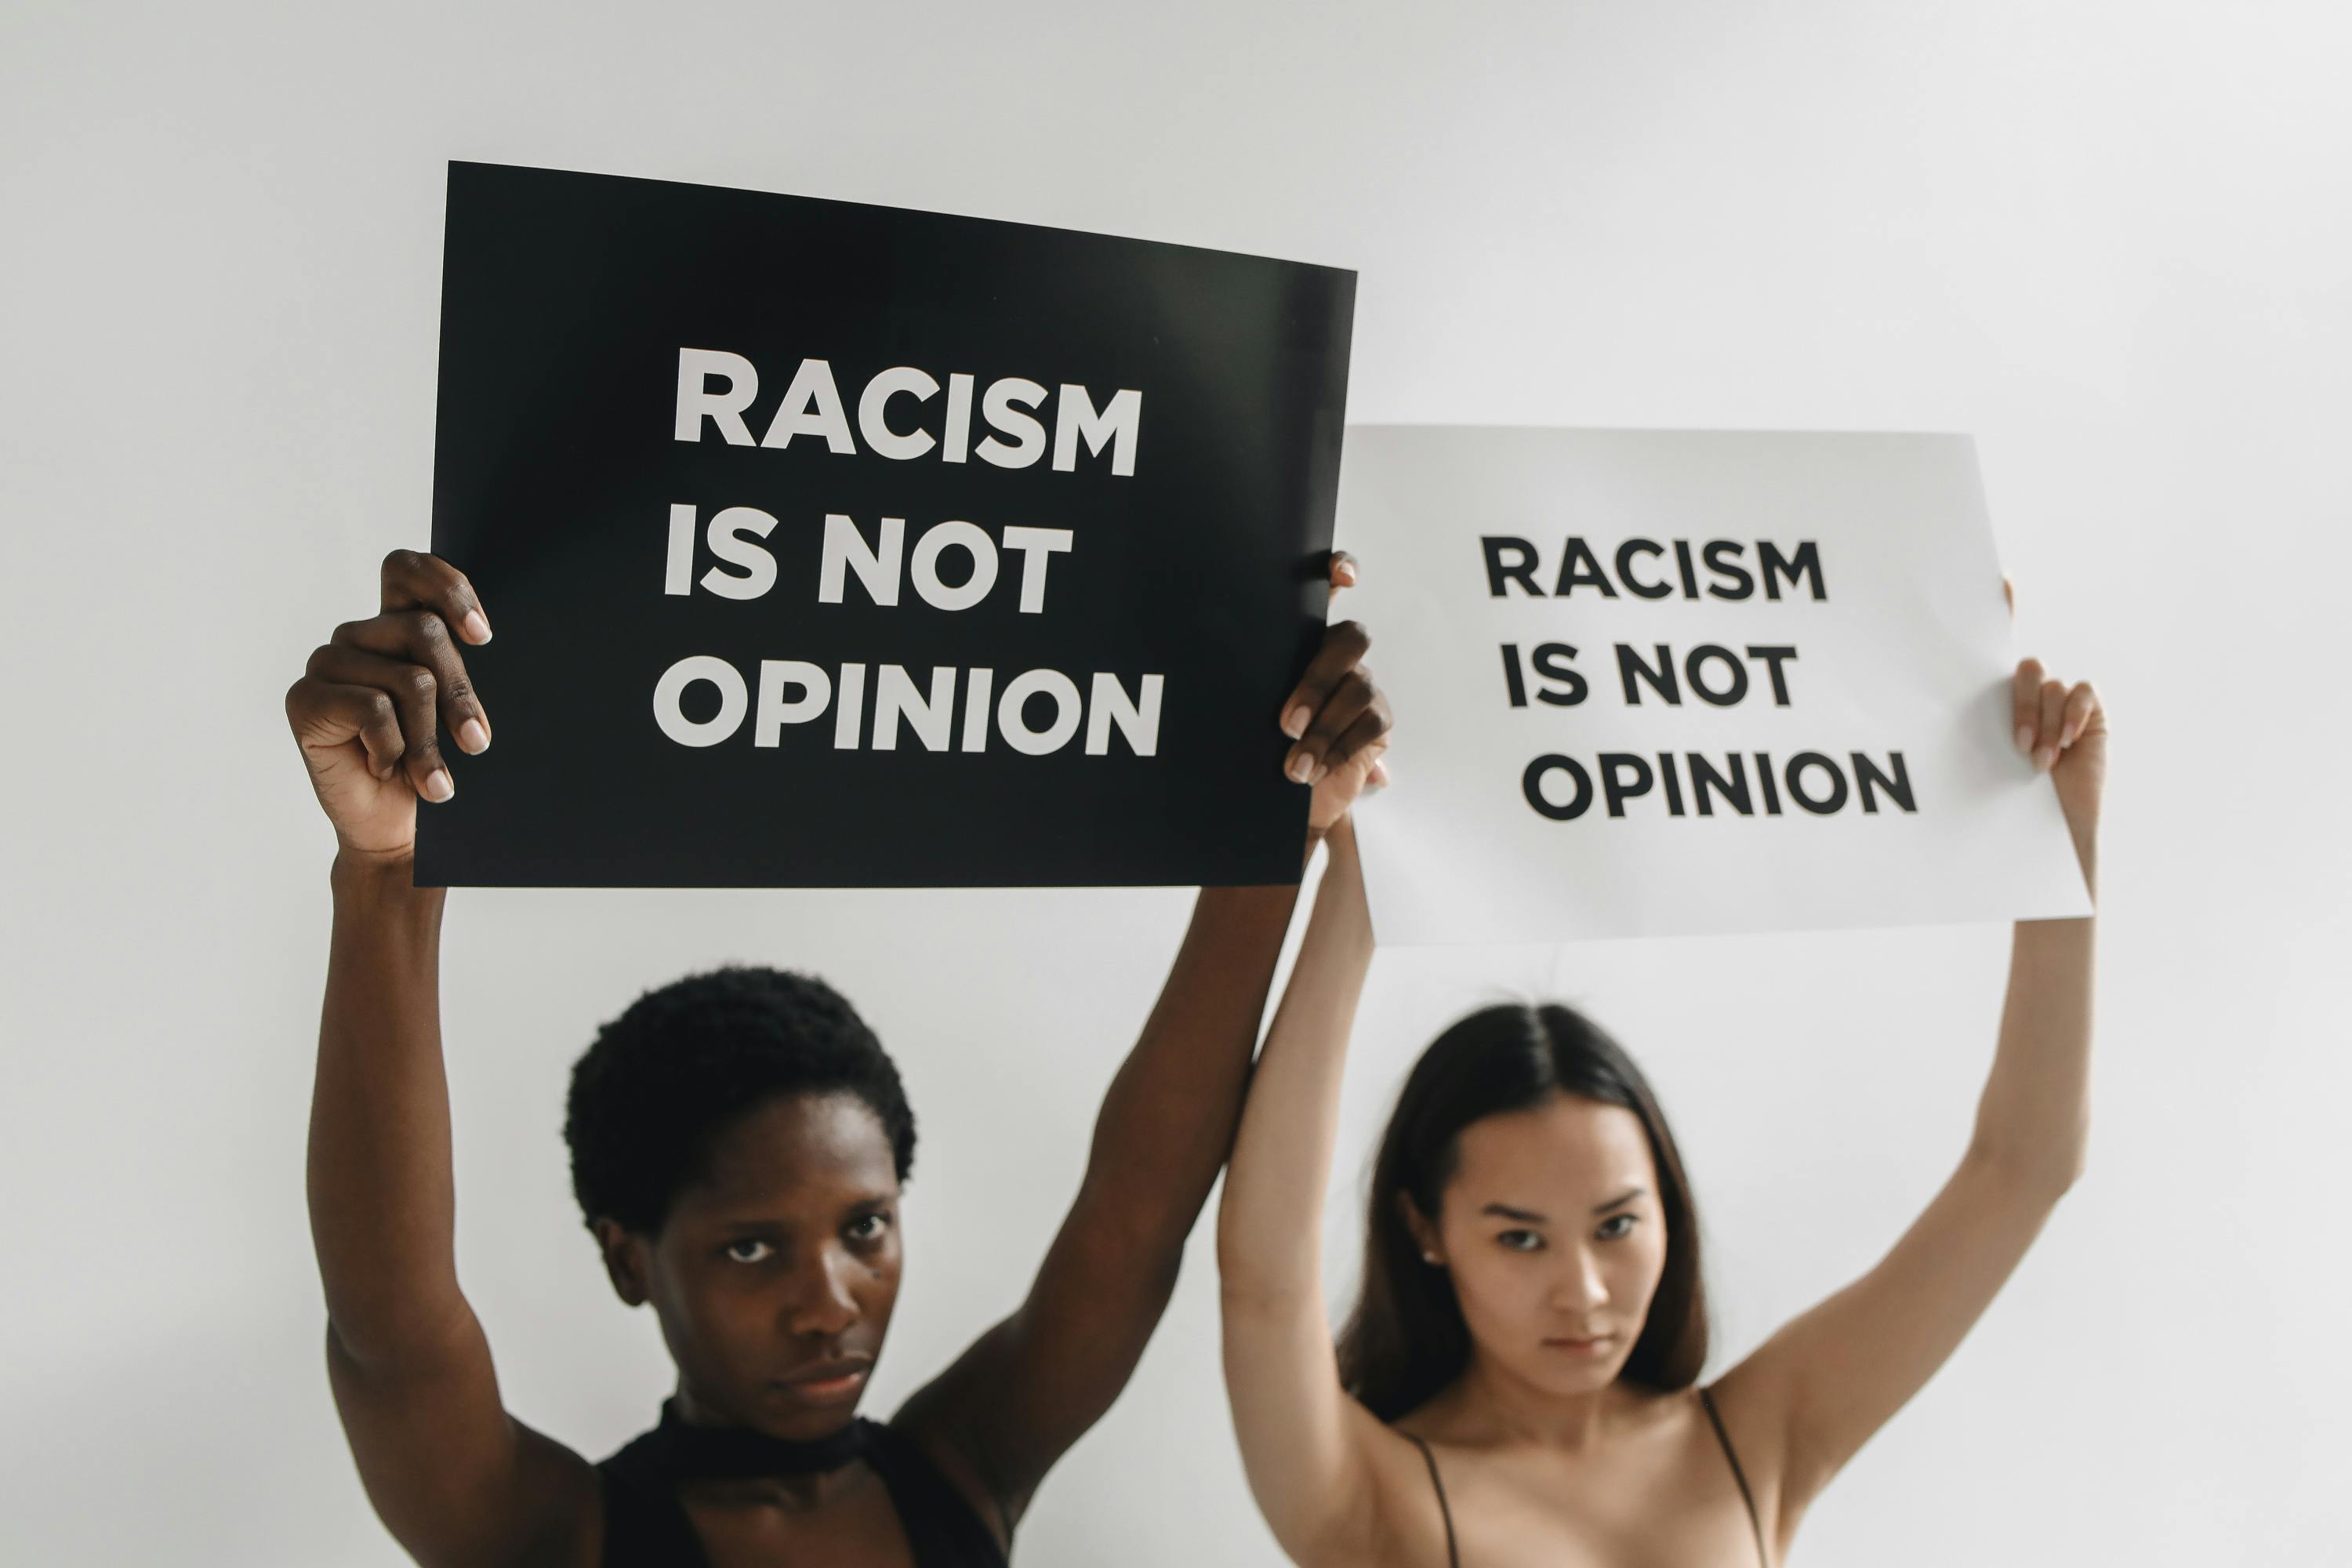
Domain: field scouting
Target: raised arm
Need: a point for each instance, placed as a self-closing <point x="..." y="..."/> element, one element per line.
<point x="1027" y="1389"/>
<point x="1815" y="1392"/>
<point x="1308" y="1447"/>
<point x="453" y="1476"/>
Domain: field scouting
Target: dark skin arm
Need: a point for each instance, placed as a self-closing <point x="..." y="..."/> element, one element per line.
<point x="454" y="1478"/>
<point x="1014" y="1402"/>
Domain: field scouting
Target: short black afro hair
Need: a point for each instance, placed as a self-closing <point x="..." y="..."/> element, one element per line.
<point x="685" y="1060"/>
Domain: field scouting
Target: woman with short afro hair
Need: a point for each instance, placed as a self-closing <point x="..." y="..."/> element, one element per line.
<point x="738" y="1139"/>
<point x="684" y="1060"/>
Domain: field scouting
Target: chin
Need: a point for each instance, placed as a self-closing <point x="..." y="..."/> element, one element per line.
<point x="1568" y="1384"/>
<point x="787" y="1413"/>
<point x="1568" y="1378"/>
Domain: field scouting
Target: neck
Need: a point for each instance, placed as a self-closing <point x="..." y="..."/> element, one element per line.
<point x="698" y="1446"/>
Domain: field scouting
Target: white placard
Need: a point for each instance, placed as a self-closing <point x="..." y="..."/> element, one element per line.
<point x="1825" y="739"/>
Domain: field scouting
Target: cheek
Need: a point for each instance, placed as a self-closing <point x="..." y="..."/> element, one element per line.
<point x="1500" y="1291"/>
<point x="876" y="1281"/>
<point x="1638" y="1265"/>
<point x="702" y="1324"/>
<point x="717" y="1310"/>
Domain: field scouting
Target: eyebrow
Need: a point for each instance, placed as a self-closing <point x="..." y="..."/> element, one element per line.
<point x="1528" y="1216"/>
<point x="754" y="1210"/>
<point x="750" y="1226"/>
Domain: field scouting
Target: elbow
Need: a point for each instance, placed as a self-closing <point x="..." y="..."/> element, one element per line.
<point x="1250" y="1291"/>
<point x="2055" y="1184"/>
<point x="2078" y="1159"/>
<point x="1236" y="1281"/>
<point x="379" y="1343"/>
<point x="1247" y="1290"/>
<point x="2043" y="1176"/>
<point x="365" y="1356"/>
<point x="1264" y="1268"/>
<point x="1242" y="1300"/>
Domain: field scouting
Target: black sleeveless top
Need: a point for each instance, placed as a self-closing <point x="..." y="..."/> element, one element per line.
<point x="646" y="1527"/>
<point x="1705" y="1398"/>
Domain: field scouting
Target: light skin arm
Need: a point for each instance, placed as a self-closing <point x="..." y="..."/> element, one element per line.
<point x="1311" y="1453"/>
<point x="1031" y="1386"/>
<point x="455" y="1478"/>
<point x="1815" y="1392"/>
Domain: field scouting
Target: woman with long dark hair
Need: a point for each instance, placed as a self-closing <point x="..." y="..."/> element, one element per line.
<point x="1519" y="1381"/>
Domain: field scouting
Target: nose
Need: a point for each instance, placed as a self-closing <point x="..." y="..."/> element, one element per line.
<point x="821" y="1304"/>
<point x="1579" y="1288"/>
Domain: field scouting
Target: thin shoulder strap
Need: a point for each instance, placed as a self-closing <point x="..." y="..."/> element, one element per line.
<point x="1706" y="1397"/>
<point x="1453" y="1555"/>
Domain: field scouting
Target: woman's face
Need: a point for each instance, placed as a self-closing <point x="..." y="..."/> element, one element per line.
<point x="1555" y="1238"/>
<point x="775" y="1273"/>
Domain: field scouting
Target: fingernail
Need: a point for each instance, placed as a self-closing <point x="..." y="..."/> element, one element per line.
<point x="437" y="785"/>
<point x="1345" y="574"/>
<point x="473" y="736"/>
<point x="1320" y="770"/>
<point x="477" y="627"/>
<point x="2024" y="741"/>
<point x="1294" y="723"/>
<point x="2044" y="758"/>
<point x="1302" y="768"/>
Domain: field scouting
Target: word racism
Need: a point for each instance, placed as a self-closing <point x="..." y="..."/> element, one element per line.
<point x="782" y="692"/>
<point x="1562" y="788"/>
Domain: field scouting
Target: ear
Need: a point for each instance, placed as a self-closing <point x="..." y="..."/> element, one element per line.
<point x="1423" y="1229"/>
<point x="626" y="1262"/>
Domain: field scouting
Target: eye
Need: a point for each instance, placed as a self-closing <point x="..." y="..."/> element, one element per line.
<point x="750" y="1250"/>
<point x="869" y="1227"/>
<point x="1521" y="1241"/>
<point x="1616" y="1227"/>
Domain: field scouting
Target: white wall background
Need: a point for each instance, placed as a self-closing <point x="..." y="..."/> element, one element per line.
<point x="2113" y="240"/>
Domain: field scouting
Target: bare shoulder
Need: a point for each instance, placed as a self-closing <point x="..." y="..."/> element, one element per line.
<point x="574" y="1532"/>
<point x="936" y="1419"/>
<point x="1746" y="1409"/>
<point x="1415" y="1466"/>
<point x="454" y="1477"/>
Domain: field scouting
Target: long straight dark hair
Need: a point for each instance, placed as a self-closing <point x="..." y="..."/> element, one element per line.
<point x="1406" y="1339"/>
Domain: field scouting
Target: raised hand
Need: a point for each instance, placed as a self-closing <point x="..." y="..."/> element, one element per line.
<point x="1337" y="717"/>
<point x="2063" y="730"/>
<point x="374" y="698"/>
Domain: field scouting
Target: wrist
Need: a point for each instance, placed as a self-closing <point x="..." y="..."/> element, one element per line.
<point x="1340" y="828"/>
<point x="375" y="876"/>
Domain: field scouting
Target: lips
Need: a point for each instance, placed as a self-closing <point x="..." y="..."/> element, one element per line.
<point x="1597" y="1344"/>
<point x="826" y="1382"/>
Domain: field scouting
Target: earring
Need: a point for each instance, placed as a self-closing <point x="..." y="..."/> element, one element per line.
<point x="1429" y="1258"/>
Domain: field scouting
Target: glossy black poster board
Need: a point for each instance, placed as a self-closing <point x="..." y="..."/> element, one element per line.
<point x="675" y="425"/>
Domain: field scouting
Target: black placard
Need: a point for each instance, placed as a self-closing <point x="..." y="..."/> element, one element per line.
<point x="1195" y="521"/>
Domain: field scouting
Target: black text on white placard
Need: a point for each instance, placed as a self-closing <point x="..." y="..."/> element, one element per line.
<point x="1655" y="682"/>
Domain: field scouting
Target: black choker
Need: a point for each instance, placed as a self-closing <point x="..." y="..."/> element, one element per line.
<point x="689" y="1453"/>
